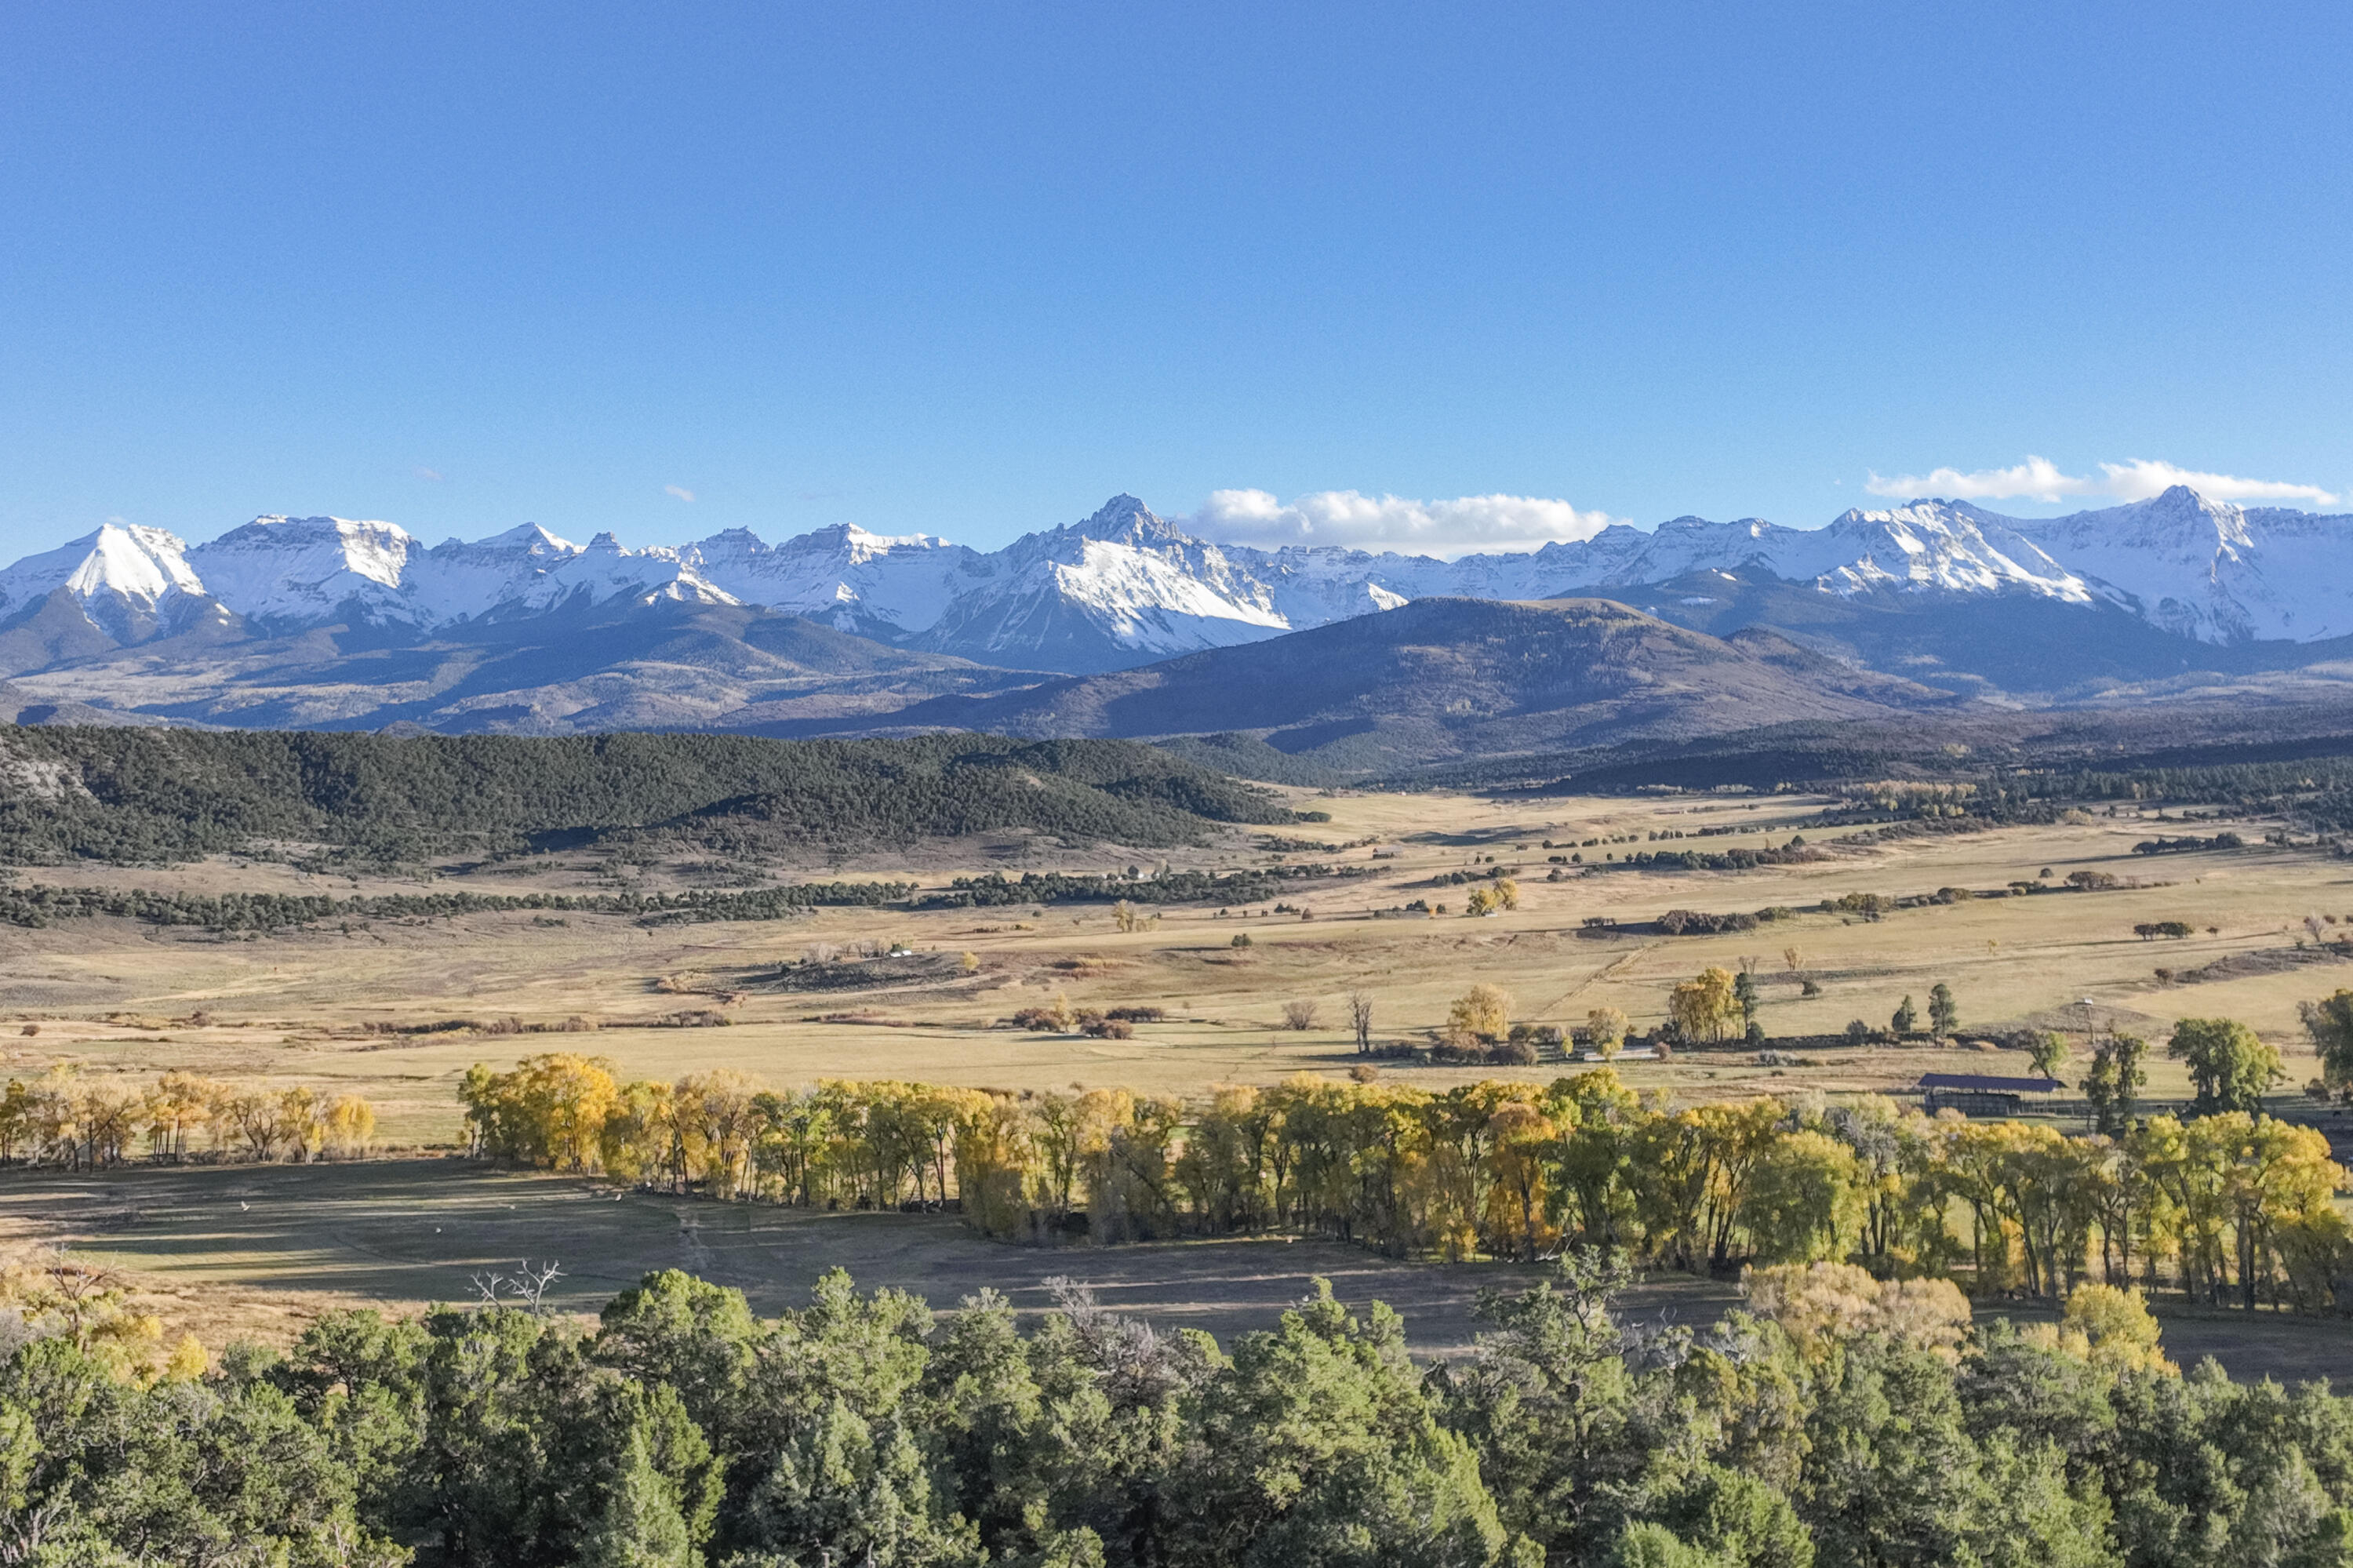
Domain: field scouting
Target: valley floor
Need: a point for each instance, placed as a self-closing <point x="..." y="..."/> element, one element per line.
<point x="342" y="1004"/>
<point x="322" y="1007"/>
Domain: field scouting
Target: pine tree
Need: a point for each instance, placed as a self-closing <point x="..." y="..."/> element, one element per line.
<point x="1944" y="1013"/>
<point x="642" y="1527"/>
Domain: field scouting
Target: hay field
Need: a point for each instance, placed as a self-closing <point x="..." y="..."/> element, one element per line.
<point x="114" y="996"/>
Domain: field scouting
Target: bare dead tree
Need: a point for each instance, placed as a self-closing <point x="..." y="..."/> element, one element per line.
<point x="527" y="1288"/>
<point x="1300" y="1015"/>
<point x="1360" y="1018"/>
<point x="530" y="1285"/>
<point x="1137" y="1362"/>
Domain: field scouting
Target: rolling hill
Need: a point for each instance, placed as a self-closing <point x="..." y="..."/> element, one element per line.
<point x="1441" y="678"/>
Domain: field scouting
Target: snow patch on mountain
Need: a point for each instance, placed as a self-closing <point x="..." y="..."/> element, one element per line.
<point x="1927" y="545"/>
<point x="457" y="581"/>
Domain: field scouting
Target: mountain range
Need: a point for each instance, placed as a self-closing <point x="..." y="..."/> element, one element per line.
<point x="326" y="621"/>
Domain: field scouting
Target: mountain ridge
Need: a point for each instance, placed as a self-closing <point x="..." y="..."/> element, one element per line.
<point x="1125" y="585"/>
<point x="1442" y="678"/>
<point x="298" y="621"/>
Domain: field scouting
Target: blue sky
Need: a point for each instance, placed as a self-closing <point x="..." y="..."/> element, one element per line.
<point x="970" y="268"/>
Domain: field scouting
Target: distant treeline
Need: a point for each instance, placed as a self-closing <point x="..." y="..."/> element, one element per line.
<point x="1795" y="853"/>
<point x="39" y="905"/>
<point x="1249" y="886"/>
<point x="2010" y="778"/>
<point x="2187" y="845"/>
<point x="172" y="794"/>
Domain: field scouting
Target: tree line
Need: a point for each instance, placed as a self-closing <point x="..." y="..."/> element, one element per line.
<point x="64" y="1119"/>
<point x="2222" y="1205"/>
<point x="39" y="905"/>
<point x="1833" y="1421"/>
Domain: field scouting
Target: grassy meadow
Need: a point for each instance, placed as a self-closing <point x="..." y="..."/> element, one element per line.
<point x="341" y="1008"/>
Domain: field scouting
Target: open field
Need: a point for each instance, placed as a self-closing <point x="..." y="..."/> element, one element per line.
<point x="113" y="995"/>
<point x="258" y="1252"/>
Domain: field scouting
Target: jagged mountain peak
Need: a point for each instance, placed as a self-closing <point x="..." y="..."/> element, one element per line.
<point x="1123" y="519"/>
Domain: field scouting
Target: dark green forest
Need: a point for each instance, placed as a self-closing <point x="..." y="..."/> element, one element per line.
<point x="36" y="904"/>
<point x="148" y="795"/>
<point x="1834" y="1423"/>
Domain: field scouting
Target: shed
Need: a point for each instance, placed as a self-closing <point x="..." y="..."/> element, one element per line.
<point x="1980" y="1094"/>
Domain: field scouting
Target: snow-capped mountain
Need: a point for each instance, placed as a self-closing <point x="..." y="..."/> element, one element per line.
<point x="2210" y="570"/>
<point x="874" y="585"/>
<point x="130" y="583"/>
<point x="304" y="571"/>
<point x="1125" y="586"/>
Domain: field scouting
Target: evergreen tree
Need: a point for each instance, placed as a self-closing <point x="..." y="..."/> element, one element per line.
<point x="640" y="1526"/>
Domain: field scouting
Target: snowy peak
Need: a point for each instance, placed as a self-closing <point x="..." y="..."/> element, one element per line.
<point x="459" y="580"/>
<point x="2208" y="570"/>
<point x="143" y="564"/>
<point x="528" y="538"/>
<point x="1936" y="545"/>
<point x="1126" y="520"/>
<point x="129" y="581"/>
<point x="874" y="585"/>
<point x="309" y="570"/>
<point x="607" y="571"/>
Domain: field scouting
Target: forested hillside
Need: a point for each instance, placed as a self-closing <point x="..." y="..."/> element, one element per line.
<point x="147" y="795"/>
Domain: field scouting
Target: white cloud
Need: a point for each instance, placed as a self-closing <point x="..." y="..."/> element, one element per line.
<point x="2036" y="479"/>
<point x="2141" y="479"/>
<point x="680" y="491"/>
<point x="2040" y="478"/>
<point x="1346" y="517"/>
<point x="430" y="475"/>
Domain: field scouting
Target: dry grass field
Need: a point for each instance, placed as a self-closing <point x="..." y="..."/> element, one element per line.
<point x="250" y="1248"/>
<point x="115" y="996"/>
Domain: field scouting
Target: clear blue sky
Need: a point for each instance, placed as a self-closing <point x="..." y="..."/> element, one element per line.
<point x="972" y="267"/>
